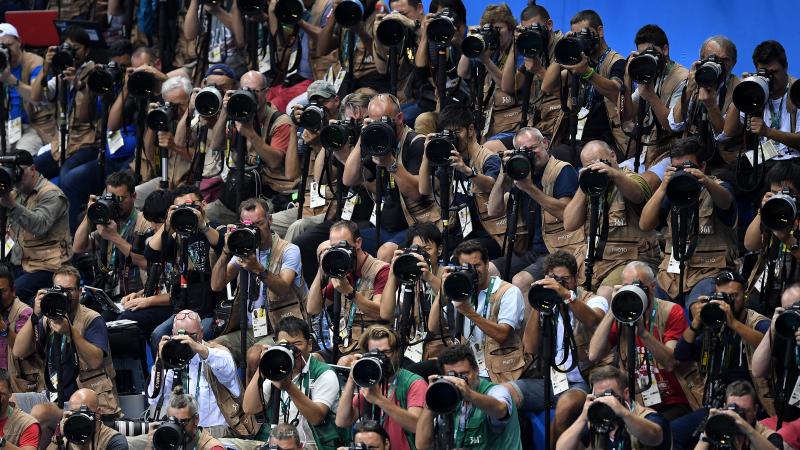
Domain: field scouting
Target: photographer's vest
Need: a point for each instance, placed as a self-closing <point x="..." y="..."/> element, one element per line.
<point x="229" y="405"/>
<point x="365" y="284"/>
<point x="294" y="302"/>
<point x="504" y="361"/>
<point x="18" y="421"/>
<point x="274" y="178"/>
<point x="363" y="61"/>
<point x="26" y="374"/>
<point x="503" y="111"/>
<point x="553" y="233"/>
<point x="403" y="381"/>
<point x="100" y="440"/>
<point x="327" y="435"/>
<point x="41" y="115"/>
<point x="642" y="412"/>
<point x="45" y="252"/>
<point x="728" y="149"/>
<point x="71" y="9"/>
<point x="614" y="121"/>
<point x="327" y="193"/>
<point x="686" y="372"/>
<point x="626" y="242"/>
<point x="425" y="209"/>
<point x="101" y="380"/>
<point x="583" y="335"/>
<point x="546" y="114"/>
<point x="478" y="434"/>
<point x="495" y="226"/>
<point x="716" y="249"/>
<point x="439" y="338"/>
<point x="80" y="135"/>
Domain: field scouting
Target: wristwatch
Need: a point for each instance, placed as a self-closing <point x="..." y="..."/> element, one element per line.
<point x="572" y="297"/>
<point x="392" y="168"/>
<point x="351" y="296"/>
<point x="2" y="442"/>
<point x="473" y="174"/>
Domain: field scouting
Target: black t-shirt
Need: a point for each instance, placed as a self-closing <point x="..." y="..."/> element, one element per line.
<point x="597" y="126"/>
<point x="666" y="442"/>
<point x="778" y="356"/>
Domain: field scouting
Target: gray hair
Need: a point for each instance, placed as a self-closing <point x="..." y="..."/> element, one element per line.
<point x="528" y="131"/>
<point x="643" y="269"/>
<point x="176" y="83"/>
<point x="724" y="42"/>
<point x="285" y="431"/>
<point x="181" y="400"/>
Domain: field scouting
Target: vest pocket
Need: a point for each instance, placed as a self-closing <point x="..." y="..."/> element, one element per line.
<point x="101" y="384"/>
<point x="505" y="364"/>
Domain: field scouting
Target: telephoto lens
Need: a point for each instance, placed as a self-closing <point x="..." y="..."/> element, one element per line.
<point x="684" y="188"/>
<point x="348" y="13"/>
<point x="312" y="117"/>
<point x="184" y="220"/>
<point x="378" y="137"/>
<point x="406" y="266"/>
<point x="161" y="118"/>
<point x="443" y="397"/>
<point x="244" y="240"/>
<point x="709" y="72"/>
<point x="340" y="133"/>
<point x="532" y="40"/>
<point x="440" y="148"/>
<point x="390" y="31"/>
<point x="645" y="67"/>
<point x="79" y="427"/>
<point x="289" y="12"/>
<point x="751" y="94"/>
<point x="520" y="164"/>
<point x="55" y="302"/>
<point x="63" y="58"/>
<point x="105" y="79"/>
<point x="721" y="430"/>
<point x="543" y="299"/>
<point x="8" y="176"/>
<point x="570" y="49"/>
<point x="594" y="183"/>
<point x="711" y="315"/>
<point x="208" y="101"/>
<point x="142" y="84"/>
<point x="105" y="210"/>
<point x="252" y="7"/>
<point x="788" y="322"/>
<point x="442" y="27"/>
<point x="780" y="211"/>
<point x="629" y="303"/>
<point x="461" y="284"/>
<point x="474" y="44"/>
<point x="243" y="105"/>
<point x="371" y="369"/>
<point x="277" y="362"/>
<point x="176" y="354"/>
<point x="169" y="435"/>
<point x="339" y="260"/>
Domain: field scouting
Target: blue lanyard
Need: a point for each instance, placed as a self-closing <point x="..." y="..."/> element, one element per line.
<point x="590" y="93"/>
<point x="485" y="306"/>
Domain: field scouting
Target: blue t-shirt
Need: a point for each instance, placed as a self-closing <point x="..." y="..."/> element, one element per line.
<point x="15" y="101"/>
<point x="96" y="333"/>
<point x="566" y="185"/>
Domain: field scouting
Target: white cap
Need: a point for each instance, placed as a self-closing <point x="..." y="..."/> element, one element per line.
<point x="6" y="29"/>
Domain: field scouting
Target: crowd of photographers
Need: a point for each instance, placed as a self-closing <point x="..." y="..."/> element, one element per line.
<point x="323" y="224"/>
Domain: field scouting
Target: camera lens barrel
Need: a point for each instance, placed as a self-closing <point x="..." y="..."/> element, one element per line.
<point x="242" y="105"/>
<point x="708" y="74"/>
<point x="779" y="212"/>
<point x="601" y="417"/>
<point x="594" y="183"/>
<point x="289" y="11"/>
<point x="141" y="84"/>
<point x="644" y="68"/>
<point x="712" y="316"/>
<point x="530" y="42"/>
<point x="628" y="304"/>
<point x="369" y="371"/>
<point x="390" y="31"/>
<point x="55" y="303"/>
<point x="406" y="268"/>
<point x="276" y="363"/>
<point x="443" y="397"/>
<point x="460" y="285"/>
<point x="683" y="189"/>
<point x="208" y="101"/>
<point x="244" y="240"/>
<point x="378" y="138"/>
<point x="184" y="220"/>
<point x="473" y="45"/>
<point x="79" y="427"/>
<point x="439" y="150"/>
<point x="721" y="429"/>
<point x="441" y="29"/>
<point x="751" y="94"/>
<point x="312" y="117"/>
<point x="518" y="166"/>
<point x="543" y="299"/>
<point x="787" y="323"/>
<point x="168" y="436"/>
<point x="348" y="13"/>
<point x="176" y="354"/>
<point x="568" y="51"/>
<point x="338" y="261"/>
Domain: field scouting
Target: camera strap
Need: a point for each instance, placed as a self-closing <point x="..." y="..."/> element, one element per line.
<point x="486" y="299"/>
<point x="590" y="91"/>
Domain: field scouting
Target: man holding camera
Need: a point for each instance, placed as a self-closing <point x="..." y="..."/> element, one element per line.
<point x="271" y="270"/>
<point x="613" y="419"/>
<point x="711" y="243"/>
<point x="408" y="14"/>
<point x="25" y="374"/>
<point x="473" y="170"/>
<point x="397" y="398"/>
<point x="307" y="392"/>
<point x="30" y="125"/>
<point x="601" y="71"/>
<point x="38" y="227"/>
<point x="73" y="340"/>
<point x="484" y="418"/>
<point x="739" y="422"/>
<point x="210" y="374"/>
<point x="83" y="408"/>
<point x="225" y="36"/>
<point x="110" y="230"/>
<point x="20" y="430"/>
<point x="183" y="414"/>
<point x="622" y="194"/>
<point x="543" y="195"/>
<point x="360" y="289"/>
<point x="370" y="435"/>
<point x="778" y="125"/>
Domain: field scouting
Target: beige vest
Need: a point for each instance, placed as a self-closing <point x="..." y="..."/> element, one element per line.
<point x="274" y="178"/>
<point x="548" y="107"/>
<point x="366" y="286"/>
<point x="765" y="396"/>
<point x="80" y="135"/>
<point x="363" y="61"/>
<point x="495" y="226"/>
<point x="101" y="440"/>
<point x="716" y="250"/>
<point x="42" y="117"/>
<point x="99" y="380"/>
<point x="27" y="374"/>
<point x="292" y="304"/>
<point x="18" y="421"/>
<point x="425" y="209"/>
<point x="230" y="406"/>
<point x="583" y="335"/>
<point x="553" y="233"/>
<point x="71" y="8"/>
<point x="506" y="361"/>
<point x="611" y="107"/>
<point x="642" y="412"/>
<point x="49" y="251"/>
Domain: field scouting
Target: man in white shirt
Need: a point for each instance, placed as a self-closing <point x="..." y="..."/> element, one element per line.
<point x="207" y="361"/>
<point x="307" y="396"/>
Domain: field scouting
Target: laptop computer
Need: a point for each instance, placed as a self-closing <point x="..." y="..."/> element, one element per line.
<point x="36" y="28"/>
<point x="94" y="29"/>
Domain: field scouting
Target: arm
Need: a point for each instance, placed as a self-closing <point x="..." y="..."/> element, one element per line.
<point x="493" y="407"/>
<point x="222" y="273"/>
<point x="554" y="206"/>
<point x="81" y="242"/>
<point x="784" y="137"/>
<point x="733" y="126"/>
<point x="423" y="438"/>
<point x="663" y="353"/>
<point x="272" y="156"/>
<point x="508" y="78"/>
<point x="191" y="24"/>
<point x="750" y="335"/>
<point x="251" y="403"/>
<point x="575" y="211"/>
<point x="314" y="412"/>
<point x="553" y="77"/>
<point x="492" y="69"/>
<point x="463" y="67"/>
<point x="722" y="197"/>
<point x="345" y="413"/>
<point x="24" y="344"/>
<point x="92" y="354"/>
<point x="650" y="217"/>
<point x="42" y="217"/>
<point x="497" y="204"/>
<point x="291" y="161"/>
<point x="598" y="346"/>
<point x="388" y="298"/>
<point x="761" y="363"/>
<point x="407" y="418"/>
<point x="425" y="187"/>
<point x="753" y="237"/>
<point x="352" y="169"/>
<point x="125" y="247"/>
<point x="326" y="42"/>
<point x="232" y="21"/>
<point x="647" y="432"/>
<point x="115" y="114"/>
<point x="407" y="183"/>
<point x="498" y="332"/>
<point x="315" y="300"/>
<point x="570" y="439"/>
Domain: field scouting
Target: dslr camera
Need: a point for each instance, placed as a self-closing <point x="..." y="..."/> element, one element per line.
<point x="63" y="58"/>
<point x="289" y="12"/>
<point x="751" y="94"/>
<point x="142" y="84"/>
<point x="645" y="67"/>
<point x="520" y="164"/>
<point x="208" y="101"/>
<point x="312" y="116"/>
<point x="406" y="266"/>
<point x="710" y="72"/>
<point x="339" y="133"/>
<point x="440" y="147"/>
<point x="176" y="354"/>
<point x="788" y="322"/>
<point x="442" y="27"/>
<point x="162" y="117"/>
<point x="480" y="40"/>
<point x="722" y="430"/>
<point x="244" y="239"/>
<point x="105" y="210"/>
<point x="780" y="211"/>
<point x="684" y="188"/>
<point x="443" y="397"/>
<point x="170" y="434"/>
<point x="378" y="138"/>
<point x="544" y="299"/>
<point x="570" y="49"/>
<point x="594" y="183"/>
<point x="372" y="369"/>
<point x="461" y="283"/>
<point x="106" y="79"/>
<point x="630" y="302"/>
<point x="55" y="302"/>
<point x="391" y="31"/>
<point x="243" y="105"/>
<point x="11" y="170"/>
<point x="277" y="362"/>
<point x="532" y="40"/>
<point x="603" y="419"/>
<point x="184" y="220"/>
<point x="711" y="315"/>
<point x="348" y="13"/>
<point x="79" y="427"/>
<point x="339" y="260"/>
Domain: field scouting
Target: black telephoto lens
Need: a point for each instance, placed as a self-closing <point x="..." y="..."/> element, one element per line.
<point x="601" y="417"/>
<point x="543" y="299"/>
<point x="440" y="148"/>
<point x="243" y="105"/>
<point x="277" y="363"/>
<point x="645" y="67"/>
<point x="348" y="13"/>
<point x="594" y="183"/>
<point x="176" y="354"/>
<point x="378" y="138"/>
<point x="184" y="220"/>
<point x="443" y="397"/>
<point x="779" y="212"/>
<point x="473" y="44"/>
<point x="63" y="58"/>
<point x="289" y="11"/>
<point x="708" y="74"/>
<point x="461" y="284"/>
<point x="442" y="27"/>
<point x="7" y="179"/>
<point x="79" y="427"/>
<point x="169" y="435"/>
<point x="5" y="56"/>
<point x="787" y="323"/>
<point x="628" y="304"/>
<point x="244" y="240"/>
<point x="683" y="189"/>
<point x="712" y="316"/>
<point x="519" y="165"/>
<point x="531" y="42"/>
<point x="721" y="430"/>
<point x="312" y="117"/>
<point x="142" y="84"/>
<point x="160" y="119"/>
<point x="751" y="94"/>
<point x="390" y="31"/>
<point x="339" y="260"/>
<point x="568" y="51"/>
<point x="370" y="370"/>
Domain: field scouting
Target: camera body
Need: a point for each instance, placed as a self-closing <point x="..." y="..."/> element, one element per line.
<point x="594" y="183"/>
<point x="79" y="427"/>
<point x="780" y="211"/>
<point x="106" y="79"/>
<point x="645" y="67"/>
<point x="105" y="210"/>
<point x="208" y="101"/>
<point x="479" y="40"/>
<point x="391" y="32"/>
<point x="55" y="302"/>
<point x="710" y="73"/>
<point x="176" y="354"/>
<point x="684" y="188"/>
<point x="339" y="260"/>
<point x="339" y="133"/>
<point x="243" y="105"/>
<point x="378" y="138"/>
<point x="569" y="50"/>
<point x="545" y="300"/>
<point x="5" y="56"/>
<point x="532" y="40"/>
<point x="711" y="315"/>
<point x="443" y="397"/>
<point x="312" y="116"/>
<point x="603" y="419"/>
<point x="442" y="27"/>
<point x="372" y="369"/>
<point x="142" y="84"/>
<point x="520" y="164"/>
<point x="183" y="220"/>
<point x="406" y="267"/>
<point x="461" y="283"/>
<point x="440" y="147"/>
<point x="170" y="434"/>
<point x="162" y="117"/>
<point x="788" y="322"/>
<point x="721" y="429"/>
<point x="63" y="58"/>
<point x="277" y="362"/>
<point x="11" y="171"/>
<point x="244" y="239"/>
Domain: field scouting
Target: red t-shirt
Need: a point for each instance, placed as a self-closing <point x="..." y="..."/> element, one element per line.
<point x="415" y="398"/>
<point x="668" y="386"/>
<point x="380" y="282"/>
<point x="280" y="138"/>
<point x="29" y="437"/>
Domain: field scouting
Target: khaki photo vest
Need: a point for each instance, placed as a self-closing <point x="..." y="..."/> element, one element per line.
<point x="101" y="440"/>
<point x="44" y="252"/>
<point x="553" y="233"/>
<point x="18" y="421"/>
<point x="292" y="304"/>
<point x="425" y="209"/>
<point x="495" y="226"/>
<point x="612" y="110"/>
<point x="27" y="374"/>
<point x="231" y="406"/>
<point x="366" y="286"/>
<point x="274" y="178"/>
<point x="504" y="361"/>
<point x="41" y="115"/>
<point x="101" y="380"/>
<point x="547" y="107"/>
<point x="583" y="335"/>
<point x="80" y="135"/>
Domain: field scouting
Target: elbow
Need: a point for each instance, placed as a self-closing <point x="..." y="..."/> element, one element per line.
<point x="671" y="363"/>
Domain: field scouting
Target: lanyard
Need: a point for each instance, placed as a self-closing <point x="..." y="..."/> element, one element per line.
<point x="352" y="314"/>
<point x="775" y="116"/>
<point x="590" y="92"/>
<point x="485" y="306"/>
<point x="285" y="404"/>
<point x="266" y="267"/>
<point x="54" y="376"/>
<point x="124" y="234"/>
<point x="466" y="413"/>
<point x="197" y="387"/>
<point x="389" y="394"/>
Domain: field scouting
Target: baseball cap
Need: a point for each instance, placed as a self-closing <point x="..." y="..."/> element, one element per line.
<point x="6" y="29"/>
<point x="221" y="69"/>
<point x="321" y="88"/>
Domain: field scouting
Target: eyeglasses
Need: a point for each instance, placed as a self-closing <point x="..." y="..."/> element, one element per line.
<point x="187" y="315"/>
<point x="185" y="422"/>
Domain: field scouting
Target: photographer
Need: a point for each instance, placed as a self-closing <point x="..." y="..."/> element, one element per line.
<point x="113" y="243"/>
<point x="32" y="124"/>
<point x="189" y="255"/>
<point x="485" y="417"/>
<point x="658" y="330"/>
<point x="24" y="374"/>
<point x="211" y="371"/>
<point x="267" y="135"/>
<point x="637" y="426"/>
<point x="585" y="311"/>
<point x="335" y="36"/>
<point x="361" y="290"/>
<point x="73" y="340"/>
<point x="284" y="436"/>
<point x="274" y="269"/>
<point x="623" y="196"/>
<point x="226" y="39"/>
<point x="307" y="394"/>
<point x="715" y="233"/>
<point x="474" y="170"/>
<point x="601" y="71"/>
<point x="498" y="43"/>
<point x="20" y="430"/>
<point x="183" y="412"/>
<point x="544" y="110"/>
<point x="371" y="435"/>
<point x="397" y="400"/>
<point x="661" y="93"/>
<point x="777" y="127"/>
<point x="493" y="316"/>
<point x="409" y="14"/>
<point x="84" y="402"/>
<point x="742" y="406"/>
<point x="37" y="224"/>
<point x="544" y="195"/>
<point x="402" y="203"/>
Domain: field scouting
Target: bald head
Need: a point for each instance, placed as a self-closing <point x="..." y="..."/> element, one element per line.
<point x="188" y="321"/>
<point x="253" y="80"/>
<point x="595" y="151"/>
<point x="383" y="105"/>
<point x="790" y="296"/>
<point x="85" y="397"/>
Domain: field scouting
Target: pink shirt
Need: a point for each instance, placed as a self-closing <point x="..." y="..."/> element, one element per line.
<point x="24" y="316"/>
<point x="415" y="398"/>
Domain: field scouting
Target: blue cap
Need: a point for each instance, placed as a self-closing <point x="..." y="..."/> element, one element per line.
<point x="223" y="68"/>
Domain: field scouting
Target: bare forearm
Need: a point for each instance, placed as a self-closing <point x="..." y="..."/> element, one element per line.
<point x="651" y="211"/>
<point x="630" y="189"/>
<point x="345" y="415"/>
<point x="489" y="405"/>
<point x="24" y="345"/>
<point x="586" y="315"/>
<point x="219" y="273"/>
<point x="251" y="403"/>
<point x="722" y="197"/>
<point x="313" y="412"/>
<point x="530" y="339"/>
<point x="750" y="335"/>
<point x="277" y="284"/>
<point x="407" y="183"/>
<point x="753" y="237"/>
<point x="497" y="205"/>
<point x="81" y="242"/>
<point x="762" y="358"/>
<point x="647" y="432"/>
<point x="423" y="438"/>
<point x="89" y="352"/>
<point x="498" y="332"/>
<point x="463" y="67"/>
<point x="570" y="439"/>
<point x="405" y="417"/>
<point x="607" y="88"/>
<point x="326" y="43"/>
<point x="552" y="205"/>
<point x="789" y="139"/>
<point x="191" y="24"/>
<point x="115" y="114"/>
<point x="314" y="305"/>
<point x="663" y="354"/>
<point x="352" y="170"/>
<point x="575" y="212"/>
<point x="598" y="346"/>
<point x="369" y="306"/>
<point x="388" y="298"/>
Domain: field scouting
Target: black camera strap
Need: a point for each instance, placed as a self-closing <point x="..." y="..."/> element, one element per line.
<point x="682" y="222"/>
